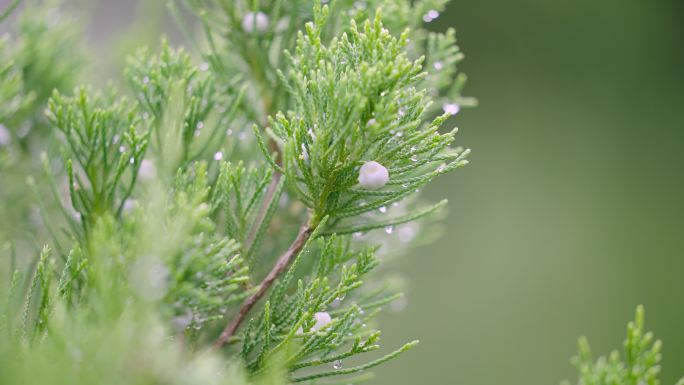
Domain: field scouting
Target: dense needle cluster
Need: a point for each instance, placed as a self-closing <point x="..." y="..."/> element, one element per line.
<point x="223" y="217"/>
<point x="220" y="217"/>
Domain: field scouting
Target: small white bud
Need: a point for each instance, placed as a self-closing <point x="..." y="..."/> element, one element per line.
<point x="373" y="175"/>
<point x="322" y="320"/>
<point x="255" y="22"/>
<point x="451" y="108"/>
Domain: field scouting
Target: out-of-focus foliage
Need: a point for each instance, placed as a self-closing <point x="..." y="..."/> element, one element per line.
<point x="41" y="53"/>
<point x="639" y="363"/>
<point x="168" y="220"/>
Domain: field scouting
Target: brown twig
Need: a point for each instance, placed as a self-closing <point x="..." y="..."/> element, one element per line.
<point x="280" y="266"/>
<point x="283" y="260"/>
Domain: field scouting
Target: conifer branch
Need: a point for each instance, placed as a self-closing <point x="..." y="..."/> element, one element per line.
<point x="283" y="261"/>
<point x="165" y="217"/>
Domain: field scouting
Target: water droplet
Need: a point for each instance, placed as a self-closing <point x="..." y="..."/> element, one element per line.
<point x="358" y="234"/>
<point x="204" y="66"/>
<point x="218" y="155"/>
<point x="383" y="209"/>
<point x="451" y="108"/>
<point x="122" y="149"/>
<point x="229" y="132"/>
<point x="430" y="15"/>
<point x="337" y="365"/>
<point x="389" y="229"/>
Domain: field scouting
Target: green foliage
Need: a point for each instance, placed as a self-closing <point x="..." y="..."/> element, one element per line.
<point x="103" y="148"/>
<point x="45" y="55"/>
<point x="356" y="101"/>
<point x="169" y="222"/>
<point x="181" y="102"/>
<point x="41" y="52"/>
<point x="207" y="273"/>
<point x="639" y="364"/>
<point x="289" y="323"/>
<point x="11" y="86"/>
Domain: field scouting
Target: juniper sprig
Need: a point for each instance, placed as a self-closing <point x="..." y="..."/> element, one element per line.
<point x="206" y="223"/>
<point x="640" y="363"/>
<point x="224" y="218"/>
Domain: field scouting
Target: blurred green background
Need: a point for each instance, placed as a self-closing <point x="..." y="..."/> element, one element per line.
<point x="572" y="210"/>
